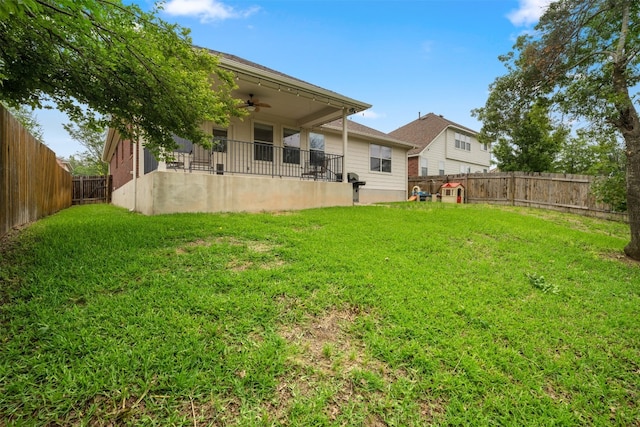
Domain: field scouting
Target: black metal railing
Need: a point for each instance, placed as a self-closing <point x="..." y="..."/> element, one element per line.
<point x="247" y="158"/>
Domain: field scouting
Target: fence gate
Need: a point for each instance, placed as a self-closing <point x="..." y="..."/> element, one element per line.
<point x="91" y="189"/>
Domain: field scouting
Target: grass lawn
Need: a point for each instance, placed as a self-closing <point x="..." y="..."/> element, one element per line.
<point x="399" y="315"/>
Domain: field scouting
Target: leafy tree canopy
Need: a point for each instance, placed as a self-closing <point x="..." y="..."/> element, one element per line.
<point x="28" y="119"/>
<point x="584" y="58"/>
<point x="92" y="58"/>
<point x="530" y="143"/>
<point x="88" y="162"/>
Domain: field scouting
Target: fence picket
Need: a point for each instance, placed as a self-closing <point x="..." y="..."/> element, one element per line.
<point x="32" y="184"/>
<point x="91" y="189"/>
<point x="564" y="192"/>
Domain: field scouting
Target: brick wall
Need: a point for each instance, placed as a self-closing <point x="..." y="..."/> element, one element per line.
<point x="121" y="164"/>
<point x="413" y="165"/>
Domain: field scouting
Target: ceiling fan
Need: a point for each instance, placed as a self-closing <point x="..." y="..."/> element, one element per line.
<point x="254" y="104"/>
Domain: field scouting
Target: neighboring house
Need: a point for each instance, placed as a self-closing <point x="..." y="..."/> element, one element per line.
<point x="296" y="149"/>
<point x="442" y="147"/>
<point x="64" y="164"/>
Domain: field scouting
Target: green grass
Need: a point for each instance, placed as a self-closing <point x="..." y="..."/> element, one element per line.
<point x="403" y="315"/>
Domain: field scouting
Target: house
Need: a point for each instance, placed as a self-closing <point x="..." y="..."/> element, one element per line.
<point x="442" y="147"/>
<point x="296" y="149"/>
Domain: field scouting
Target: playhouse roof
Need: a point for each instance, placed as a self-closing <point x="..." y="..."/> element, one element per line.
<point x="452" y="185"/>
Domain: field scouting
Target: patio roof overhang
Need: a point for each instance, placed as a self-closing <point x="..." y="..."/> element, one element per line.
<point x="306" y="104"/>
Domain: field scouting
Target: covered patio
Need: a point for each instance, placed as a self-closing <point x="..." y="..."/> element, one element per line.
<point x="232" y="157"/>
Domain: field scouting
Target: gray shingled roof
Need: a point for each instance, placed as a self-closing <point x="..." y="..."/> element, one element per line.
<point x="422" y="131"/>
<point x="252" y="64"/>
<point x="357" y="128"/>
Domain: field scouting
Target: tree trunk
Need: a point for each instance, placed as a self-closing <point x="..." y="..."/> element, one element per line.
<point x="629" y="125"/>
<point x="632" y="140"/>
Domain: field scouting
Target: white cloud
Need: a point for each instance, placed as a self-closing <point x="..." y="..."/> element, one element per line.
<point x="370" y="114"/>
<point x="206" y="10"/>
<point x="529" y="12"/>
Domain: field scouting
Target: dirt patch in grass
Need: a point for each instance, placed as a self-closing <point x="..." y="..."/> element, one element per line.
<point x="620" y="257"/>
<point x="555" y="394"/>
<point x="324" y="343"/>
<point x="10" y="240"/>
<point x="239" y="265"/>
<point x="328" y="360"/>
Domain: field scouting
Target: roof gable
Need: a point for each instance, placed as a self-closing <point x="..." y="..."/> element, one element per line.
<point x="452" y="185"/>
<point x="362" y="130"/>
<point x="422" y="131"/>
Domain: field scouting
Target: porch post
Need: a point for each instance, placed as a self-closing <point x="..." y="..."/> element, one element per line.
<point x="344" y="144"/>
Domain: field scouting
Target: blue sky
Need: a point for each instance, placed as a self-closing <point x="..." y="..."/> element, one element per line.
<point x="405" y="57"/>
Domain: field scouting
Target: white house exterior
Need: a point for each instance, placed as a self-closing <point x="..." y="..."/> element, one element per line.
<point x="442" y="147"/>
<point x="298" y="152"/>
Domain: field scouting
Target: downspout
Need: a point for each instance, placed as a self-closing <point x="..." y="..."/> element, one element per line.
<point x="135" y="174"/>
<point x="344" y="144"/>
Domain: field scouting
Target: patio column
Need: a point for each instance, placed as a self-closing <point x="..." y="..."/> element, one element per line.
<point x="344" y="144"/>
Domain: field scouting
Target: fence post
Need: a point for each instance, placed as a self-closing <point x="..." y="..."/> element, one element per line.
<point x="512" y="188"/>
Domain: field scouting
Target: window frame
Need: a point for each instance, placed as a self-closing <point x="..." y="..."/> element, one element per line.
<point x="381" y="158"/>
<point x="423" y="167"/>
<point x="462" y="141"/>
<point x="291" y="153"/>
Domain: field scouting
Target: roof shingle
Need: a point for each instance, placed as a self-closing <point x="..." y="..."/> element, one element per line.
<point x="422" y="131"/>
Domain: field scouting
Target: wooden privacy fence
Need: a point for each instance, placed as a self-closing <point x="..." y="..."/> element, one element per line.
<point x="564" y="192"/>
<point x="91" y="189"/>
<point x="32" y="184"/>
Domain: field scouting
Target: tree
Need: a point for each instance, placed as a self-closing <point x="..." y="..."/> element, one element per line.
<point x="93" y="58"/>
<point x="609" y="167"/>
<point x="529" y="143"/>
<point x="28" y="120"/>
<point x="88" y="162"/>
<point x="577" y="154"/>
<point x="583" y="58"/>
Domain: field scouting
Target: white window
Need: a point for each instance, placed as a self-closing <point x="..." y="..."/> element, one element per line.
<point x="316" y="148"/>
<point x="463" y="142"/>
<point x="463" y="169"/>
<point x="484" y="147"/>
<point x="423" y="167"/>
<point x="380" y="158"/>
<point x="441" y="167"/>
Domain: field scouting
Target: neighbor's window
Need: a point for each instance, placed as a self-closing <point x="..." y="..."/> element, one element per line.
<point x="263" y="139"/>
<point x="291" y="144"/>
<point x="423" y="166"/>
<point x="380" y="158"/>
<point x="220" y="140"/>
<point x="485" y="147"/>
<point x="463" y="142"/>
<point x="316" y="148"/>
<point x="441" y="167"/>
